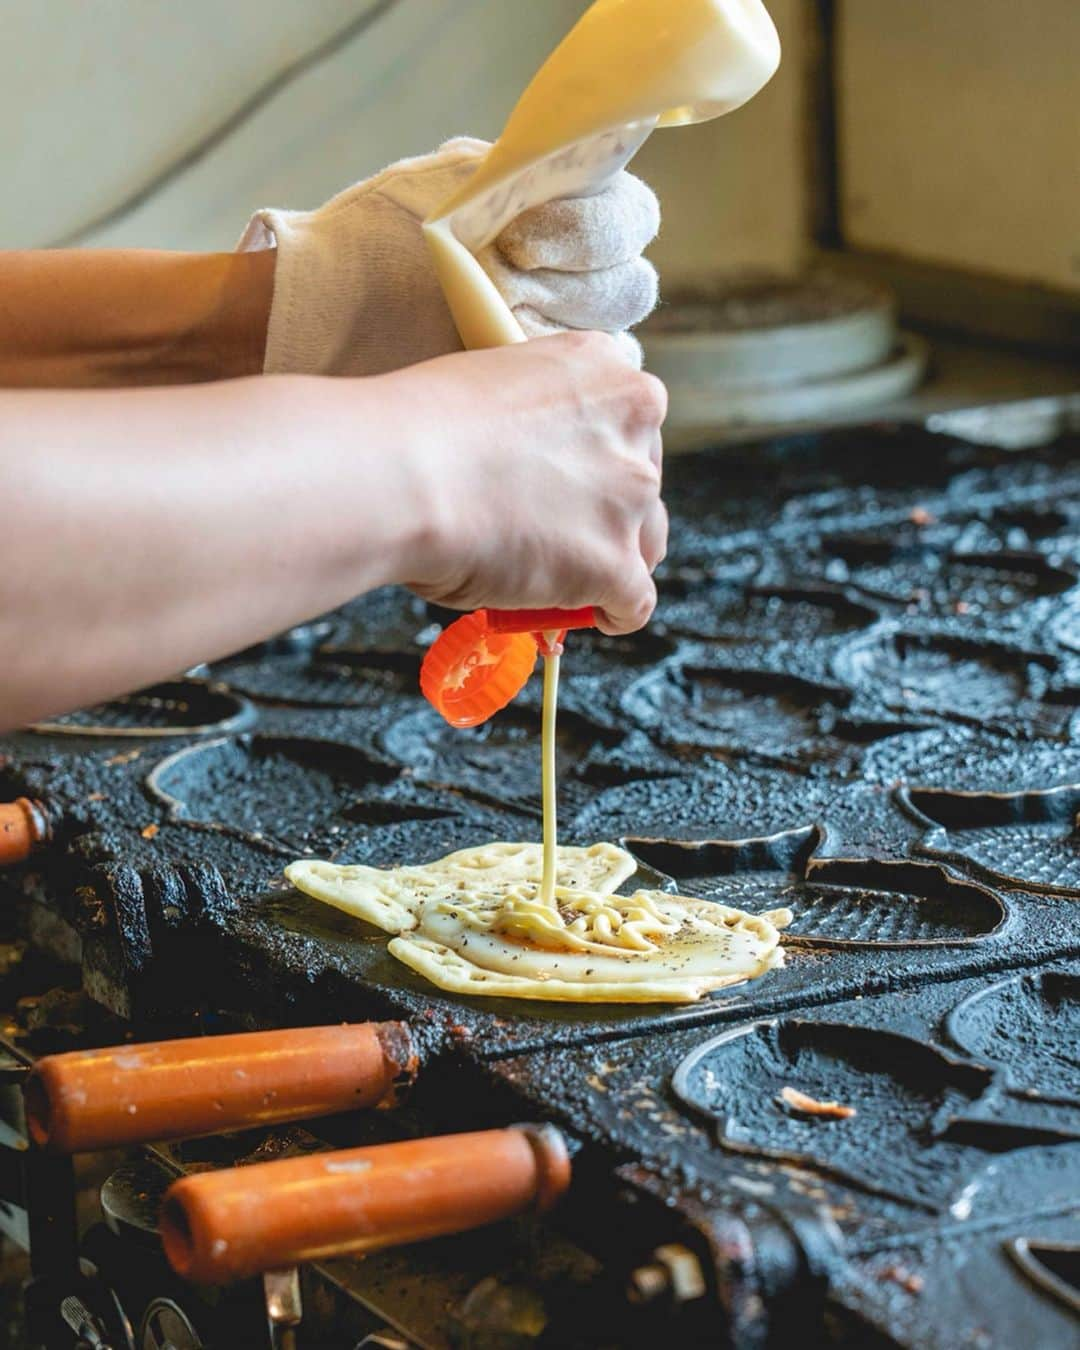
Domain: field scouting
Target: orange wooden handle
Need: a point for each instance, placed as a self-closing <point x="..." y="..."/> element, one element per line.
<point x="23" y="825"/>
<point x="131" y="1094"/>
<point x="224" y="1226"/>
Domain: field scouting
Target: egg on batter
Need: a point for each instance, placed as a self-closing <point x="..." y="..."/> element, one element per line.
<point x="474" y="922"/>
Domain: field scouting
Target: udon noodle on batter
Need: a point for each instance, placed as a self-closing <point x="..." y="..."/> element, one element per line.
<point x="476" y="922"/>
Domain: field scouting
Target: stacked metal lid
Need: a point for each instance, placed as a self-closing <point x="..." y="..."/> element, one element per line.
<point x="763" y="350"/>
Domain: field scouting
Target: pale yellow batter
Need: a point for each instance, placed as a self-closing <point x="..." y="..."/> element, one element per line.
<point x="476" y="922"/>
<point x="547" y="776"/>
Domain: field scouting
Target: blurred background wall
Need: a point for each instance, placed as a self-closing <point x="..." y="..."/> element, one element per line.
<point x="960" y="133"/>
<point x="150" y="122"/>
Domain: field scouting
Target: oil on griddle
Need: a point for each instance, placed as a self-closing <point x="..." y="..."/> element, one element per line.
<point x="858" y="698"/>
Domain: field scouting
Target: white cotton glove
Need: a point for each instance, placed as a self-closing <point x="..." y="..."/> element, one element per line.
<point x="355" y="292"/>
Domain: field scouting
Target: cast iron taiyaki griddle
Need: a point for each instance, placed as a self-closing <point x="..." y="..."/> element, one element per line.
<point x="593" y="677"/>
<point x="718" y="801"/>
<point x="900" y="1119"/>
<point x="595" y="656"/>
<point x="957" y="761"/>
<point x="323" y="679"/>
<point x="758" y="813"/>
<point x="358" y="657"/>
<point x="726" y="566"/>
<point x="940" y="1291"/>
<point x="1028" y="1025"/>
<point x="304" y="637"/>
<point x="926" y="1274"/>
<point x="177" y="708"/>
<point x="919" y="540"/>
<point x="1023" y="527"/>
<point x="1064" y="627"/>
<point x="802" y="771"/>
<point x="943" y="571"/>
<point x="1005" y="586"/>
<point x="857" y="699"/>
<point x="889" y="1047"/>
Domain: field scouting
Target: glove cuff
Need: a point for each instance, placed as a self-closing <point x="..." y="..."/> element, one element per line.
<point x="354" y="290"/>
<point x="307" y="266"/>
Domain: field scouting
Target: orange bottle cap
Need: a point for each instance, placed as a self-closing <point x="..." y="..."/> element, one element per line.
<point x="471" y="672"/>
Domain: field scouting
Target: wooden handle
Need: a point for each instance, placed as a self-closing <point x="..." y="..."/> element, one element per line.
<point x="23" y="825"/>
<point x="224" y="1226"/>
<point x="131" y="1094"/>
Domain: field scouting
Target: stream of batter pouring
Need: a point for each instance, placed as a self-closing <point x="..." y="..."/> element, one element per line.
<point x="547" y="774"/>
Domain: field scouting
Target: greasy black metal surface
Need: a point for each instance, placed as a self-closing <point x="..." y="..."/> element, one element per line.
<point x="1052" y="1266"/>
<point x="858" y="699"/>
<point x="289" y="794"/>
<point x="1029" y="1026"/>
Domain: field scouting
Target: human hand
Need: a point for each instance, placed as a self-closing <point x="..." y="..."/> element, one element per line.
<point x="538" y="467"/>
<point x="355" y="292"/>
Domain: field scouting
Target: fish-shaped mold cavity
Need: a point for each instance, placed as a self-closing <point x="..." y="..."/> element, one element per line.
<point x="962" y="760"/>
<point x="362" y="656"/>
<point x="176" y="708"/>
<point x="372" y="683"/>
<point x="898" y="1112"/>
<point x="967" y="680"/>
<point x="765" y="717"/>
<point x="1024" y="839"/>
<point x="718" y="802"/>
<point x="496" y="762"/>
<point x="872" y="903"/>
<point x="791" y="614"/>
<point x="1053" y="1267"/>
<point x="290" y="794"/>
<point x="923" y="578"/>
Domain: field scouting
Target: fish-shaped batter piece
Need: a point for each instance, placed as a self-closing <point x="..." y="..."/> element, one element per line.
<point x="473" y="923"/>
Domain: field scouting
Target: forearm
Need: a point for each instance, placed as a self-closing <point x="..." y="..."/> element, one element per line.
<point x="112" y="317"/>
<point x="146" y="531"/>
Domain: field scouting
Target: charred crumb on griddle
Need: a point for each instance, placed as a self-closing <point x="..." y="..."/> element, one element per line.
<point x="908" y="1280"/>
<point x="124" y="757"/>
